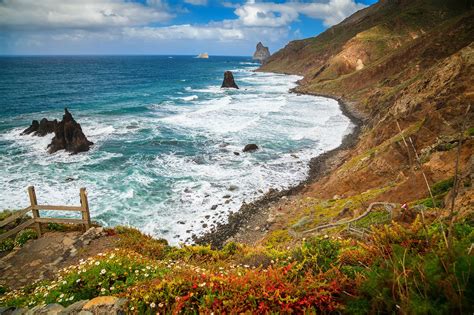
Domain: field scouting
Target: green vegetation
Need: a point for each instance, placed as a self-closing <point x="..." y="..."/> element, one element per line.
<point x="24" y="236"/>
<point x="470" y="131"/>
<point x="7" y="245"/>
<point x="442" y="187"/>
<point x="56" y="227"/>
<point x="399" y="268"/>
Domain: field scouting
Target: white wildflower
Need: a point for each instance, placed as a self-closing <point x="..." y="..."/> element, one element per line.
<point x="103" y="271"/>
<point x="152" y="305"/>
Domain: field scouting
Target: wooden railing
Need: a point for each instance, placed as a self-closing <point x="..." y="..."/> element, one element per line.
<point x="36" y="220"/>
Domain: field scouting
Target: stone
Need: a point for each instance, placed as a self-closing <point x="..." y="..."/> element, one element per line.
<point x="214" y="207"/>
<point x="250" y="147"/>
<point x="68" y="136"/>
<point x="229" y="81"/>
<point x="233" y="188"/>
<point x="106" y="305"/>
<point x="50" y="309"/>
<point x="67" y="241"/>
<point x="236" y="153"/>
<point x="261" y="54"/>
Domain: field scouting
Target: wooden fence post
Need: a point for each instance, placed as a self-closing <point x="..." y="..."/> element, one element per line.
<point x="34" y="203"/>
<point x="85" y="209"/>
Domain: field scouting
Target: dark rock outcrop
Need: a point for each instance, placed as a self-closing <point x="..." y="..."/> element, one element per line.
<point x="250" y="147"/>
<point x="261" y="53"/>
<point x="45" y="127"/>
<point x="68" y="136"/>
<point x="42" y="128"/>
<point x="229" y="81"/>
<point x="33" y="128"/>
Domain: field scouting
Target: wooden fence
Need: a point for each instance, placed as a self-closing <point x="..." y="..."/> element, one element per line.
<point x="36" y="220"/>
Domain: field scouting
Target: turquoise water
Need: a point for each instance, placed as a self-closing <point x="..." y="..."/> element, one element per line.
<point x="165" y="136"/>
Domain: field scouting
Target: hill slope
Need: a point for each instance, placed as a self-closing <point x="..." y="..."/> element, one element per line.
<point x="409" y="62"/>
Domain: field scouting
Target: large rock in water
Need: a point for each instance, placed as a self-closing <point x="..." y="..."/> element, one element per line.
<point x="229" y="81"/>
<point x="261" y="53"/>
<point x="68" y="136"/>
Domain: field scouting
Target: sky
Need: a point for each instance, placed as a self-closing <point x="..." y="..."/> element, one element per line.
<point x="163" y="27"/>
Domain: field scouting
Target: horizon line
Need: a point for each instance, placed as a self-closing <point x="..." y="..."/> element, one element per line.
<point x="112" y="55"/>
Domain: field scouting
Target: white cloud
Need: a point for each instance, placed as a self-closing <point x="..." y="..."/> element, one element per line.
<point x="185" y="31"/>
<point x="196" y="2"/>
<point x="276" y="15"/>
<point x="80" y="14"/>
<point x="109" y="25"/>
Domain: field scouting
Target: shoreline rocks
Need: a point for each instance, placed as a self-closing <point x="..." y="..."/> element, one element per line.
<point x="229" y="81"/>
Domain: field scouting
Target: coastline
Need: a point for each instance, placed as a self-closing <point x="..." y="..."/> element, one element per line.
<point x="319" y="166"/>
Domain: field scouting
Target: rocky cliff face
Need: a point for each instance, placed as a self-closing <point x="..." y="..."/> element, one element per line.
<point x="261" y="53"/>
<point x="405" y="68"/>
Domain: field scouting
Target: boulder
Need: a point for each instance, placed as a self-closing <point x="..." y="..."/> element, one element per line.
<point x="250" y="147"/>
<point x="229" y="81"/>
<point x="68" y="136"/>
<point x="261" y="53"/>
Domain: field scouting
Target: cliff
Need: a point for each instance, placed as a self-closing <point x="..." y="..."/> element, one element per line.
<point x="397" y="62"/>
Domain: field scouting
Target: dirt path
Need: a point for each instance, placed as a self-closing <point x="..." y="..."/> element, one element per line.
<point x="42" y="258"/>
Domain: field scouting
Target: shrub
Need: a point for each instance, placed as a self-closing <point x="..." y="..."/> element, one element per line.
<point x="316" y="254"/>
<point x="237" y="291"/>
<point x="428" y="202"/>
<point x="415" y="273"/>
<point x="7" y="245"/>
<point x="470" y="131"/>
<point x="24" y="236"/>
<point x="133" y="239"/>
<point x="442" y="187"/>
<point x="5" y="214"/>
<point x="56" y="227"/>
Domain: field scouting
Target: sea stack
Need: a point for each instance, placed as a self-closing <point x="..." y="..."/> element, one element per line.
<point x="261" y="53"/>
<point x="229" y="81"/>
<point x="68" y="136"/>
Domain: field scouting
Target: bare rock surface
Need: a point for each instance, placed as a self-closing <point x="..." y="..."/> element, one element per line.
<point x="42" y="258"/>
<point x="261" y="53"/>
<point x="229" y="81"/>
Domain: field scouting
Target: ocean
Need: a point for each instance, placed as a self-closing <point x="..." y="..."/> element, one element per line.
<point x="164" y="137"/>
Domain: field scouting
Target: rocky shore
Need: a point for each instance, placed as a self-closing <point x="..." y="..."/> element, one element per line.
<point x="255" y="213"/>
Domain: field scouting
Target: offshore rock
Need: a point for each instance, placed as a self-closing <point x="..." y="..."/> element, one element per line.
<point x="261" y="53"/>
<point x="68" y="136"/>
<point x="250" y="147"/>
<point x="229" y="81"/>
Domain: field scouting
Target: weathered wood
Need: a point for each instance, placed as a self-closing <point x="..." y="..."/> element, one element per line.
<point x="60" y="220"/>
<point x="17" y="229"/>
<point x="16" y="215"/>
<point x="85" y="206"/>
<point x="60" y="208"/>
<point x="34" y="203"/>
<point x="37" y="220"/>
